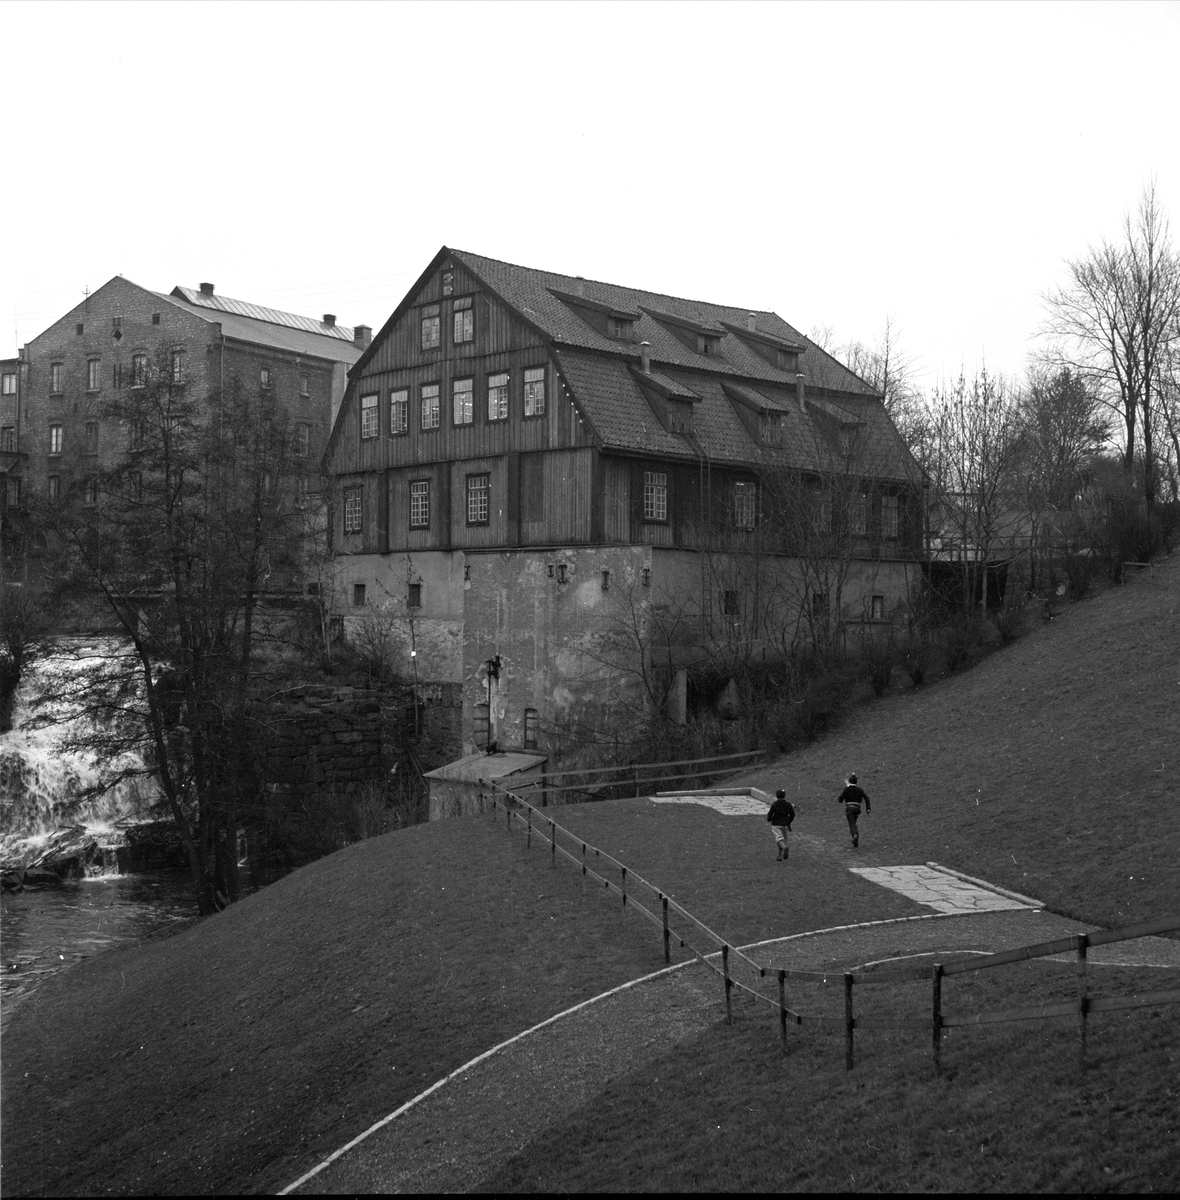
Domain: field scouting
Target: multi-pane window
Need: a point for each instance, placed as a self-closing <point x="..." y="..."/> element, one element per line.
<point x="889" y="516"/>
<point x="531" y="722"/>
<point x="358" y="595"/>
<point x="352" y="510"/>
<point x="93" y="366"/>
<point x="117" y="375"/>
<point x="9" y="383"/>
<point x="655" y="496"/>
<point x="448" y="282"/>
<point x="138" y="370"/>
<point x="91" y="437"/>
<point x="54" y="488"/>
<point x="497" y="397"/>
<point x="477" y="499"/>
<point x="55" y="378"/>
<point x="430" y="406"/>
<point x="264" y="378"/>
<point x="414" y="595"/>
<point x="858" y="518"/>
<point x="772" y="428"/>
<point x="463" y="393"/>
<point x="420" y="504"/>
<point x="177" y="366"/>
<point x="399" y="411"/>
<point x="370" y="416"/>
<point x="464" y="330"/>
<point x="302" y="439"/>
<point x="14" y="491"/>
<point x="431" y="328"/>
<point x="90" y="494"/>
<point x="8" y="438"/>
<point x="55" y="438"/>
<point x="745" y="499"/>
<point x="534" y="392"/>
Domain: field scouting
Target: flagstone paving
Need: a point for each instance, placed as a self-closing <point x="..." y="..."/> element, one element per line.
<point x="940" y="890"/>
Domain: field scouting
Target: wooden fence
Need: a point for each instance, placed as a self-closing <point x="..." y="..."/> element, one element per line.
<point x="718" y="956"/>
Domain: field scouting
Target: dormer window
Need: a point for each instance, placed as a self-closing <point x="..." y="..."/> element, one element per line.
<point x="608" y="319"/>
<point x="679" y="416"/>
<point x="708" y="345"/>
<point x="621" y="328"/>
<point x="772" y="428"/>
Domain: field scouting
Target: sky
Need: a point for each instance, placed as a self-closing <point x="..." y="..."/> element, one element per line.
<point x="844" y="164"/>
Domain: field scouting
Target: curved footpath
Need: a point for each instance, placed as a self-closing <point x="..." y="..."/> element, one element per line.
<point x="452" y="1137"/>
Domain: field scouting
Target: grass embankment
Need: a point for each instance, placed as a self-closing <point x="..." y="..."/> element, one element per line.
<point x="234" y="1056"/>
<point x="1009" y="1113"/>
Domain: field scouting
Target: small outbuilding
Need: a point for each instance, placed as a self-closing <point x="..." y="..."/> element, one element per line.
<point x="458" y="789"/>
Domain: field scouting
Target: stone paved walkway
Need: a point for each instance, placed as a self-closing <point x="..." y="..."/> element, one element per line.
<point x="941" y="890"/>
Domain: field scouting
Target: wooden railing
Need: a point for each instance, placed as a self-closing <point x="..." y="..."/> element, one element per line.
<point x="718" y="956"/>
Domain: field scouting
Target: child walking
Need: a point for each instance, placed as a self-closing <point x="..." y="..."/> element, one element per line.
<point x="852" y="797"/>
<point x="780" y="816"/>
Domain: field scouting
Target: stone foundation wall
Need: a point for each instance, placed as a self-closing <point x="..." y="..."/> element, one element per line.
<point x="341" y="738"/>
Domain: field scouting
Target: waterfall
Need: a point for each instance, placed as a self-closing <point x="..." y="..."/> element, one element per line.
<point x="44" y="810"/>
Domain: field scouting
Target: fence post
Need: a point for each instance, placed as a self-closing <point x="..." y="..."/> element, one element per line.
<point x="667" y="936"/>
<point x="637" y="780"/>
<point x="848" y="1024"/>
<point x="728" y="983"/>
<point x="528" y="839"/>
<point x="508" y="814"/>
<point x="583" y="858"/>
<point x="782" y="1007"/>
<point x="624" y="887"/>
<point x="553" y="843"/>
<point x="936" y="1014"/>
<point x="1083" y="998"/>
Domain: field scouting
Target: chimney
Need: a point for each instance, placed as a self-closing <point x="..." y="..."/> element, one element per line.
<point x="580" y="286"/>
<point x="751" y="321"/>
<point x="645" y="357"/>
<point x="330" y="320"/>
<point x="362" y="335"/>
<point x="799" y="393"/>
<point x="206" y="289"/>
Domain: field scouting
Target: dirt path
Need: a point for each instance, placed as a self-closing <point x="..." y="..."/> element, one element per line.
<point x="455" y="1137"/>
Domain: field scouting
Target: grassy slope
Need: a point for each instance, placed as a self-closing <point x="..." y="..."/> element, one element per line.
<point x="230" y="1057"/>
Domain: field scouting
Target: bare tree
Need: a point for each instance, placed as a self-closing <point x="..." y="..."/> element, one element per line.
<point x="1116" y="321"/>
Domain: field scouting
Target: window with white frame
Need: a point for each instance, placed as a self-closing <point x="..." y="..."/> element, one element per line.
<point x="353" y="509"/>
<point x="745" y="504"/>
<point x="463" y="396"/>
<point x="498" y="397"/>
<point x="889" y="516"/>
<point x="534" y="392"/>
<point x="399" y="411"/>
<point x="93" y="378"/>
<point x="56" y="436"/>
<point x="8" y="438"/>
<point x="858" y="515"/>
<point x="139" y="370"/>
<point x="655" y="496"/>
<point x="430" y="405"/>
<point x="370" y="415"/>
<point x="55" y="378"/>
<point x="477" y="499"/>
<point x="431" y="328"/>
<point x="9" y="384"/>
<point x="464" y="323"/>
<point x="178" y="366"/>
<point x="420" y="504"/>
<point x="264" y="378"/>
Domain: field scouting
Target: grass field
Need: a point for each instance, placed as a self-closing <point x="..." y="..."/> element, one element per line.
<point x="233" y="1056"/>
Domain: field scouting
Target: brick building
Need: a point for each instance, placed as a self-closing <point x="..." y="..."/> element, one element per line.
<point x="205" y="340"/>
<point x="563" y="494"/>
<point x="12" y="463"/>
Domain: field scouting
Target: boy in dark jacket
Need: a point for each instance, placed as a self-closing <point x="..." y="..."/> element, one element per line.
<point x="780" y="816"/>
<point x="852" y="797"/>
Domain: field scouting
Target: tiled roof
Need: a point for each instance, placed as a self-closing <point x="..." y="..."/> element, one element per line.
<point x="274" y="316"/>
<point x="263" y="332"/>
<point x="530" y="292"/>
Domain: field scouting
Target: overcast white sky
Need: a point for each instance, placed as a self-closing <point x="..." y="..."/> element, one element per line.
<point x="835" y="162"/>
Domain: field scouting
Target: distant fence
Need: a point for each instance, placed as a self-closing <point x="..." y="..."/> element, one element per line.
<point x="718" y="956"/>
<point x="635" y="779"/>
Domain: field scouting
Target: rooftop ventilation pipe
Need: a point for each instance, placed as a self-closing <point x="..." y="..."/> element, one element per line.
<point x="751" y="321"/>
<point x="362" y="335"/>
<point x="206" y="289"/>
<point x="799" y="393"/>
<point x="579" y="286"/>
<point x="645" y="357"/>
<point x="330" y="320"/>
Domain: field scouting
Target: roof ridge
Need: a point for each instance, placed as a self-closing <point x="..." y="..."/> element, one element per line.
<point x="255" y="312"/>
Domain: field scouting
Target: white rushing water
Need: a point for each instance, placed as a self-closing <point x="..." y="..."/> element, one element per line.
<point x="44" y="782"/>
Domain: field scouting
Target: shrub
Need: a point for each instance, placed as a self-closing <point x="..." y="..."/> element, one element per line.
<point x="878" y="656"/>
